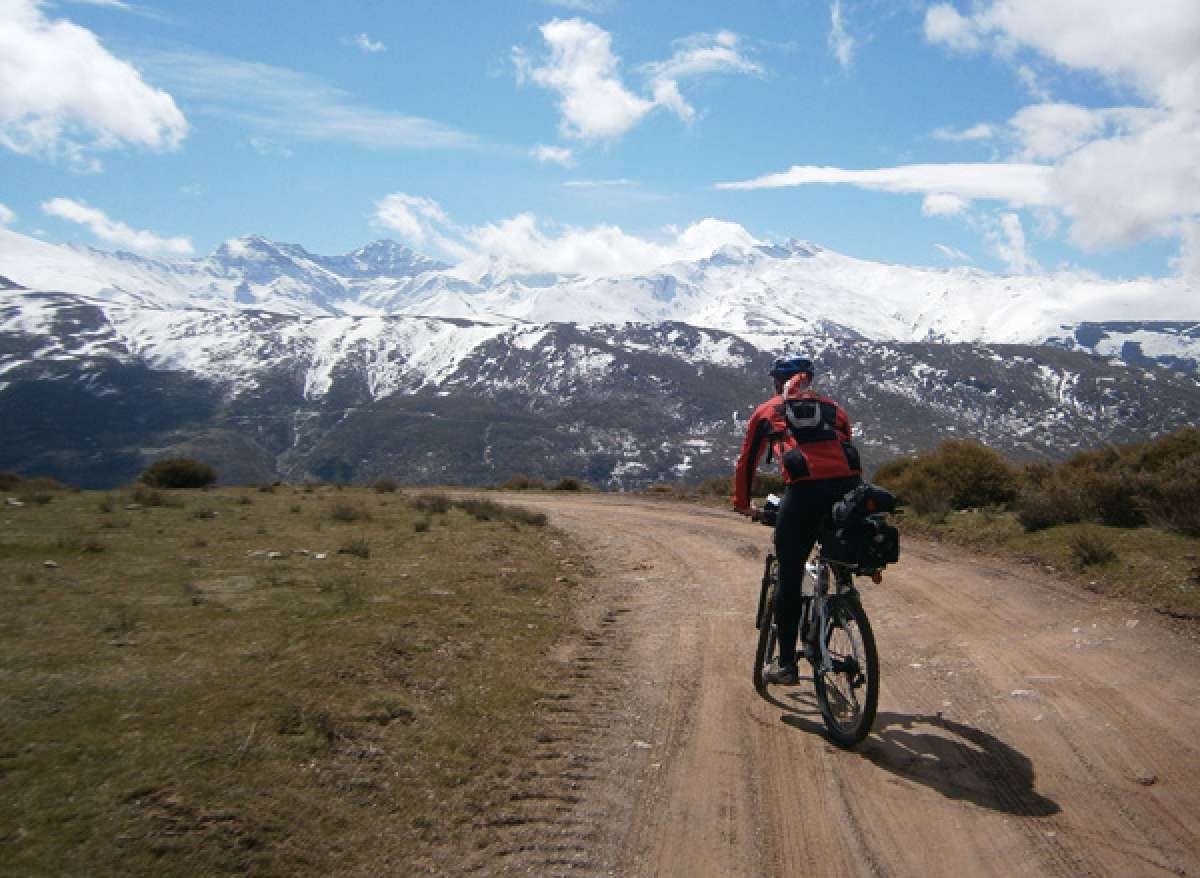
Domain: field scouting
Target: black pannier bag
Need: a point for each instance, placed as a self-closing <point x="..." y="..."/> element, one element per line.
<point x="859" y="534"/>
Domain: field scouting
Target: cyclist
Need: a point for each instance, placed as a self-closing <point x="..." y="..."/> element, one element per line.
<point x="810" y="434"/>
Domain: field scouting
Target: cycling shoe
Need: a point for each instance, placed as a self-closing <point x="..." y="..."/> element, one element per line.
<point x="782" y="675"/>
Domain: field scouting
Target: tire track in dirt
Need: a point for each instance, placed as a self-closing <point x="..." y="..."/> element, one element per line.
<point x="1016" y="717"/>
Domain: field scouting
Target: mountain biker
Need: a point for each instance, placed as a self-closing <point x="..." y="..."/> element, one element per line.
<point x="811" y="436"/>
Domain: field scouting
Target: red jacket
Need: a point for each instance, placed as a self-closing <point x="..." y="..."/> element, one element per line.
<point x="806" y="453"/>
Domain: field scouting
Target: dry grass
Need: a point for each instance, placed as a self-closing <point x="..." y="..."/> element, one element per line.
<point x="1151" y="566"/>
<point x="175" y="700"/>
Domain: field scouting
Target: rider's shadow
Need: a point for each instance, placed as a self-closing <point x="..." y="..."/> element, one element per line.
<point x="957" y="760"/>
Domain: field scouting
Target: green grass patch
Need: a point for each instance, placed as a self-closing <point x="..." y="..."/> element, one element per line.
<point x="196" y="692"/>
<point x="1151" y="566"/>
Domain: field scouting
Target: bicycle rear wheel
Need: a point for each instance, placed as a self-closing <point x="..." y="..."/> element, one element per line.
<point x="768" y="640"/>
<point x="848" y="689"/>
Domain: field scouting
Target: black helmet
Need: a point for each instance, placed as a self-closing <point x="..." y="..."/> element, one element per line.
<point x="785" y="367"/>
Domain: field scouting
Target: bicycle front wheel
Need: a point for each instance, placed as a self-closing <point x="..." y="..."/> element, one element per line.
<point x="768" y="640"/>
<point x="848" y="683"/>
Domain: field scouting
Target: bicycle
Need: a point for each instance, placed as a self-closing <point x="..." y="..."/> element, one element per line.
<point x="835" y="634"/>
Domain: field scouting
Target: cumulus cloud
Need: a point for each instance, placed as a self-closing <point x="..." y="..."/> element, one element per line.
<point x="417" y="219"/>
<point x="7" y="217"/>
<point x="1117" y="175"/>
<point x="559" y="155"/>
<point x="841" y="44"/>
<point x="593" y="101"/>
<point x="369" y="46"/>
<point x="1009" y="243"/>
<point x="943" y="204"/>
<point x="289" y="103"/>
<point x="526" y="244"/>
<point x="64" y="96"/>
<point x="114" y="232"/>
<point x="943" y="24"/>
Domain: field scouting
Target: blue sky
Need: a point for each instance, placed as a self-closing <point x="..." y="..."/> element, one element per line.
<point x="1012" y="135"/>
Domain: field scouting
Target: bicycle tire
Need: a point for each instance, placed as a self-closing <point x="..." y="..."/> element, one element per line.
<point x="848" y="717"/>
<point x="767" y="638"/>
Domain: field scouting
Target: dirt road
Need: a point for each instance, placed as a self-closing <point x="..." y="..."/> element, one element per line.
<point x="1024" y="727"/>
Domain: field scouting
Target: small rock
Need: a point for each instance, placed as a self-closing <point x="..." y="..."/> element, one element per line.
<point x="320" y="556"/>
<point x="1131" y="623"/>
<point x="916" y="665"/>
<point x="302" y="552"/>
<point x="641" y="745"/>
<point x="257" y="553"/>
<point x="13" y="501"/>
<point x="274" y="556"/>
<point x="52" y="565"/>
<point x="133" y="507"/>
<point x="1023" y="693"/>
<point x="1146" y="778"/>
<point x="561" y="579"/>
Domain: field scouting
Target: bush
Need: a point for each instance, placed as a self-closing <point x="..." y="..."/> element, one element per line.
<point x="1172" y="499"/>
<point x="385" y="485"/>
<point x="722" y="487"/>
<point x="1112" y="499"/>
<point x="8" y="481"/>
<point x="360" y="548"/>
<point x="432" y="503"/>
<point x="522" y="482"/>
<point x="348" y="512"/>
<point x="1090" y="546"/>
<point x="958" y="474"/>
<point x="1038" y="509"/>
<point x="764" y="484"/>
<point x="421" y="525"/>
<point x="569" y="483"/>
<point x="150" y="497"/>
<point x="179" y="472"/>
<point x="490" y="510"/>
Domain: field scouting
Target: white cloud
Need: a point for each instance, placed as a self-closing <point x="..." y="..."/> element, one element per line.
<point x="981" y="131"/>
<point x="525" y="244"/>
<point x="559" y="155"/>
<point x="952" y="253"/>
<point x="266" y="147"/>
<point x="417" y="219"/>
<point x="1187" y="263"/>
<point x="594" y="102"/>
<point x="7" y="217"/>
<point x="841" y="44"/>
<point x="943" y="204"/>
<point x="64" y="96"/>
<point x="287" y="102"/>
<point x="1017" y="184"/>
<point x="1009" y="244"/>
<point x="114" y="232"/>
<point x="366" y="44"/>
<point x="943" y="24"/>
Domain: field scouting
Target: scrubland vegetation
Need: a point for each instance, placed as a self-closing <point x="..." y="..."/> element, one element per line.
<point x="1124" y="519"/>
<point x="272" y="681"/>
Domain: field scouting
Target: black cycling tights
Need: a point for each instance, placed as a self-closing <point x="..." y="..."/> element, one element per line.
<point x="804" y="507"/>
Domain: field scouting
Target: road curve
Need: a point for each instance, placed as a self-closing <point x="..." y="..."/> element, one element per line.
<point x="1024" y="728"/>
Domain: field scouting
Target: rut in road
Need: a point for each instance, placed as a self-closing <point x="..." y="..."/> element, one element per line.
<point x="1024" y="728"/>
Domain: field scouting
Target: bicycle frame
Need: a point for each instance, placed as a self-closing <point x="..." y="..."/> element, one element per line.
<point x="843" y="579"/>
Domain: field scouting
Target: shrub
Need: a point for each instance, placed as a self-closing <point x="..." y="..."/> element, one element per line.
<point x="1172" y="501"/>
<point x="722" y="487"/>
<point x="958" y="474"/>
<point x="348" y="512"/>
<point x="764" y="484"/>
<point x="150" y="497"/>
<point x="179" y="472"/>
<point x="660" y="488"/>
<point x="358" y="547"/>
<point x="490" y="510"/>
<point x="1038" y="509"/>
<point x="385" y="485"/>
<point x="266" y="488"/>
<point x="432" y="503"/>
<point x="1112" y="499"/>
<point x="1090" y="546"/>
<point x="522" y="482"/>
<point x="421" y="525"/>
<point x="569" y="483"/>
<point x="8" y="481"/>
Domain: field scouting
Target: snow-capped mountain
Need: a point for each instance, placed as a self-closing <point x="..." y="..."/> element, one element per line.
<point x="750" y="290"/>
<point x="273" y="361"/>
